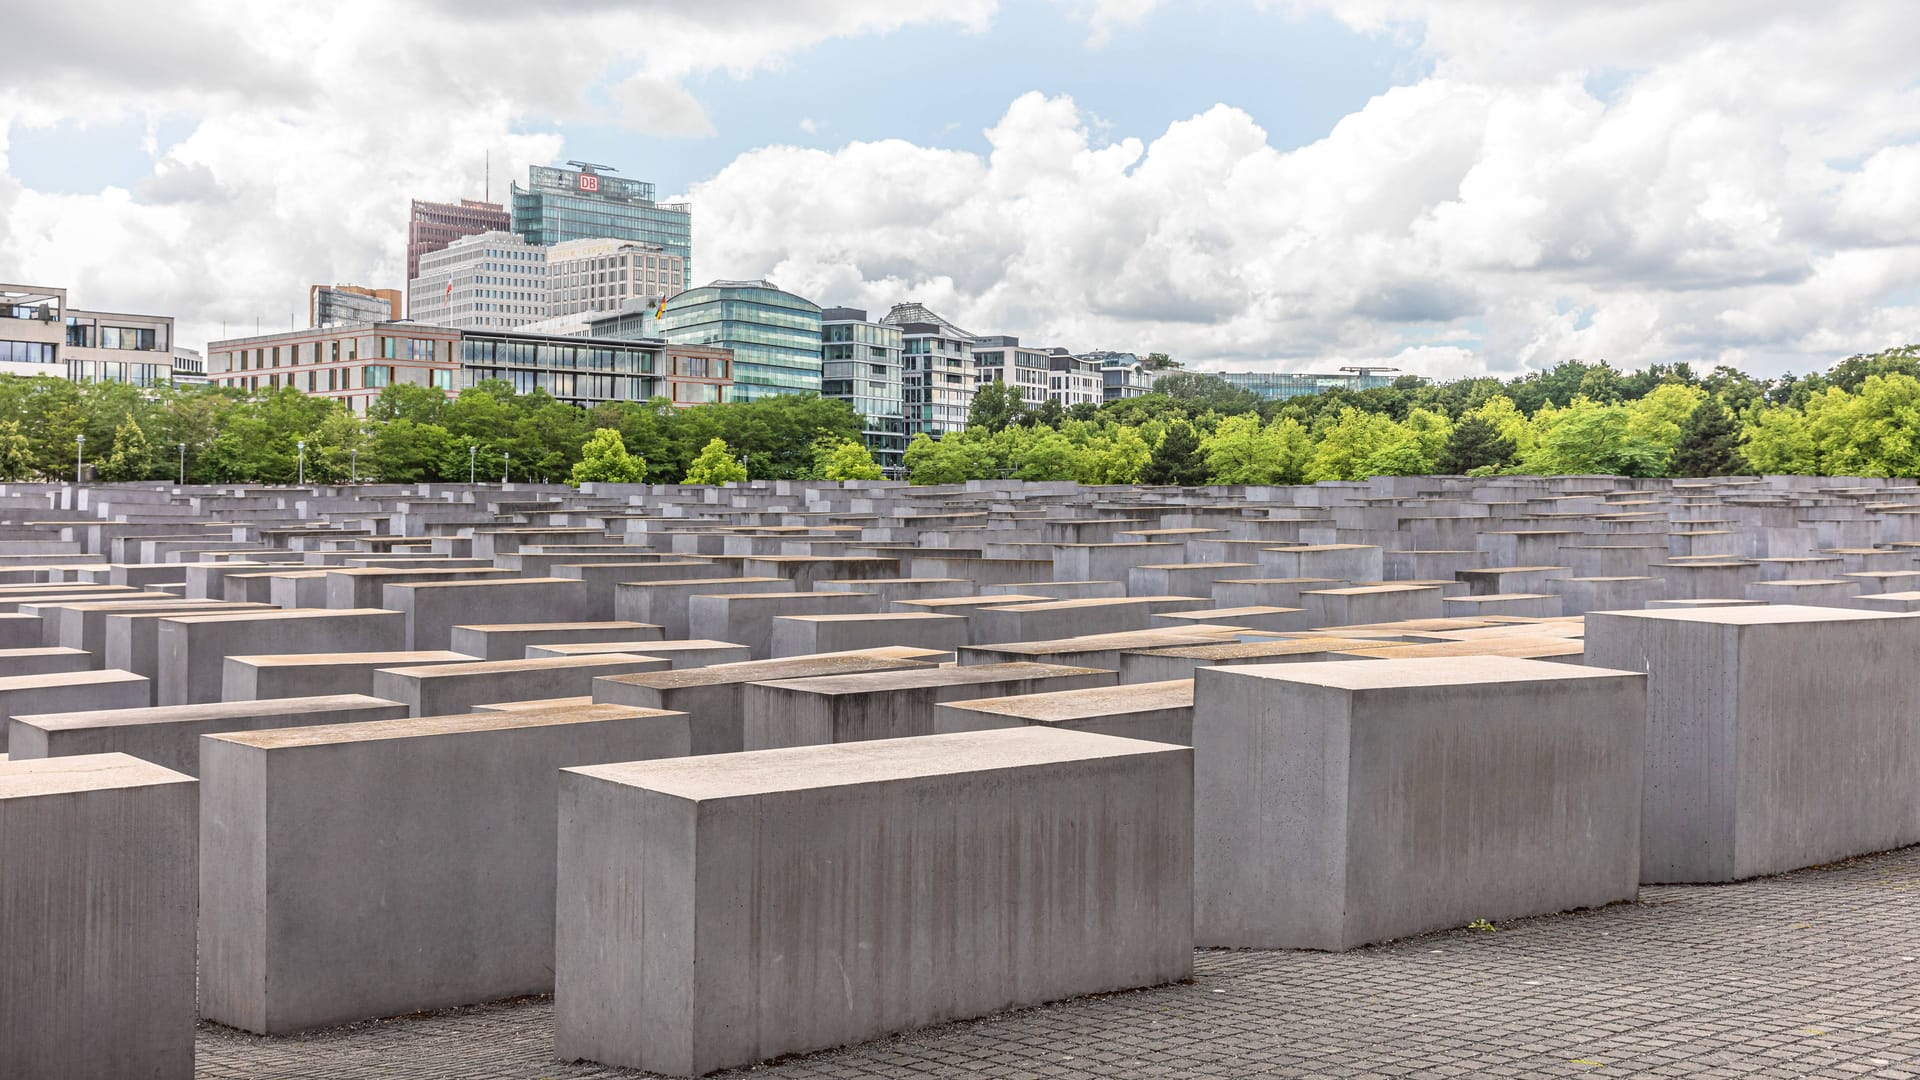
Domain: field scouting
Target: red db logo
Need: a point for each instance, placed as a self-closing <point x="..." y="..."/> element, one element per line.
<point x="589" y="182"/>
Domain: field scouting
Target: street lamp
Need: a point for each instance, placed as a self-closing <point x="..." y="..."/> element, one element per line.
<point x="506" y="460"/>
<point x="354" y="457"/>
<point x="79" y="455"/>
<point x="183" y="464"/>
<point x="471" y="450"/>
<point x="302" y="447"/>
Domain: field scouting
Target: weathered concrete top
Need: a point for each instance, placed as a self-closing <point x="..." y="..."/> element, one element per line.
<point x="213" y="710"/>
<point x="1402" y="674"/>
<point x="493" y="628"/>
<point x="881" y="616"/>
<point x="1234" y="650"/>
<point x="1760" y="614"/>
<point x="747" y="671"/>
<point x="871" y="682"/>
<point x="1071" y="605"/>
<point x="1371" y="590"/>
<point x="1235" y="612"/>
<point x="538" y="663"/>
<point x="104" y="677"/>
<point x="649" y="648"/>
<point x="1056" y="705"/>
<point x="330" y="659"/>
<point x="1120" y="639"/>
<point x="1006" y="600"/>
<point x="425" y="726"/>
<point x="762" y="772"/>
<point x="279" y="614"/>
<point x="1526" y="647"/>
<point x="485" y="583"/>
<point x="81" y="772"/>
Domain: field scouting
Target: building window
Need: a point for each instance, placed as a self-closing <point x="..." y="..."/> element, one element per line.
<point x="376" y="375"/>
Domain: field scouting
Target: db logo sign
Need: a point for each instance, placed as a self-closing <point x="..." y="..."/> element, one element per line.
<point x="589" y="182"/>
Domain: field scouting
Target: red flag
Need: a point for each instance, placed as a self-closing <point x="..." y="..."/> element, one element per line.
<point x="449" y="291"/>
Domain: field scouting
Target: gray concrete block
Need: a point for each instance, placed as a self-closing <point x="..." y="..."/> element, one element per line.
<point x="803" y="635"/>
<point x="433" y="609"/>
<point x="193" y="648"/>
<point x="754" y="918"/>
<point x="69" y="691"/>
<point x="692" y="653"/>
<point x="1339" y="804"/>
<point x="1777" y="736"/>
<point x="510" y="641"/>
<point x="169" y="735"/>
<point x="444" y="689"/>
<point x="887" y="704"/>
<point x="714" y="697"/>
<point x="748" y="617"/>
<point x="1156" y="712"/>
<point x="97" y="902"/>
<point x="297" y="675"/>
<point x="367" y="870"/>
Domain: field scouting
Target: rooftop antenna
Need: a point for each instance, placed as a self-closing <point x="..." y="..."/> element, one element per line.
<point x="1368" y="369"/>
<point x="589" y="166"/>
<point x="486" y="172"/>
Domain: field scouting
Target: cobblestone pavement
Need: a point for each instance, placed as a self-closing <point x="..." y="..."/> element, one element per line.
<point x="1815" y="973"/>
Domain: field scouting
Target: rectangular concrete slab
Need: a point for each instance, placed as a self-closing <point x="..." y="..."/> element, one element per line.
<point x="759" y="904"/>
<point x="97" y="898"/>
<point x="169" y="735"/>
<point x="368" y="870"/>
<point x="1337" y="804"/>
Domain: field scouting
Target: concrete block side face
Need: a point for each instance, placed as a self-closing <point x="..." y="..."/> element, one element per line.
<point x="233" y="885"/>
<point x="1491" y="801"/>
<point x="97" y="913"/>
<point x="1828" y="747"/>
<point x="1270" y="821"/>
<point x="624" y="972"/>
<point x="836" y="915"/>
<point x="451" y="839"/>
<point x="1688" y="794"/>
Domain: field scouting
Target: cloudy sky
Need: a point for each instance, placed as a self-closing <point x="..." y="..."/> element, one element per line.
<point x="1449" y="186"/>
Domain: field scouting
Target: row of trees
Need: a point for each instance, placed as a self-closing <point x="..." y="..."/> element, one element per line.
<point x="410" y="434"/>
<point x="1860" y="418"/>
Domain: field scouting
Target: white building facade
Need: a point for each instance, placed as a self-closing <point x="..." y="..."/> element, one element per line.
<point x="491" y="280"/>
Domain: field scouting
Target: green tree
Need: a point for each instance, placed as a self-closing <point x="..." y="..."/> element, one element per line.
<point x="1240" y="450"/>
<point x="604" y="460"/>
<point x="1114" y="455"/>
<point x="16" y="455"/>
<point x="852" y="461"/>
<point x="1177" y="459"/>
<point x="131" y="458"/>
<point x="1709" y="443"/>
<point x="1475" y="444"/>
<point x="1776" y="441"/>
<point x="1200" y="392"/>
<point x="1346" y="442"/>
<point x="1587" y="437"/>
<point x="715" y="464"/>
<point x="996" y="407"/>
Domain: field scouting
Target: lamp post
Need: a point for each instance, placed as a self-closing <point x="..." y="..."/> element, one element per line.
<point x="302" y="447"/>
<point x="506" y="461"/>
<point x="183" y="464"/>
<point x="354" y="458"/>
<point x="79" y="455"/>
<point x="471" y="450"/>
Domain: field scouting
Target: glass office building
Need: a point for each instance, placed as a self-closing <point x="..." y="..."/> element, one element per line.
<point x="774" y="335"/>
<point x="1280" y="385"/>
<point x="558" y="205"/>
<point x="860" y="365"/>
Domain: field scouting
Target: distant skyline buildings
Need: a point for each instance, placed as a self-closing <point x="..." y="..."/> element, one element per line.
<point x="937" y="375"/>
<point x="431" y="226"/>
<point x="860" y="364"/>
<point x="492" y="279"/>
<point x="588" y="203"/>
<point x="774" y="334"/>
<point x="329" y="305"/>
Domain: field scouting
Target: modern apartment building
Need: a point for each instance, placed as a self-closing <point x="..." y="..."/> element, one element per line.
<point x="774" y="335"/>
<point x="330" y="305"/>
<point x="558" y="205"/>
<point x="1122" y="375"/>
<point x="860" y="365"/>
<point x="937" y="376"/>
<point x="41" y="335"/>
<point x="1000" y="358"/>
<point x="354" y="364"/>
<point x="1280" y="385"/>
<point x="605" y="275"/>
<point x="189" y="367"/>
<point x="431" y="226"/>
<point x="1073" y="380"/>
<point x="491" y="280"/>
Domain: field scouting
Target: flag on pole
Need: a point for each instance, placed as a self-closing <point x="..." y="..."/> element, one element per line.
<point x="661" y="311"/>
<point x="449" y="291"/>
